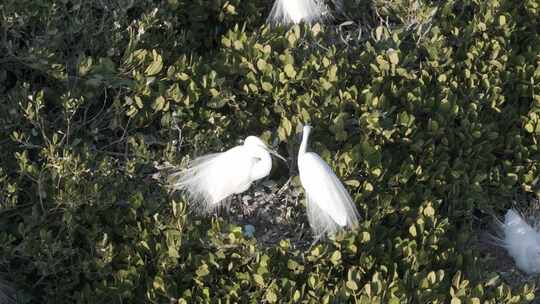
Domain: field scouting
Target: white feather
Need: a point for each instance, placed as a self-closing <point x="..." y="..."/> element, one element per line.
<point x="211" y="179"/>
<point x="296" y="11"/>
<point x="522" y="242"/>
<point x="329" y="205"/>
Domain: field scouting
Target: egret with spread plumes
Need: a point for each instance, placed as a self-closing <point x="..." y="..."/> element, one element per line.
<point x="329" y="205"/>
<point x="210" y="179"/>
<point x="296" y="11"/>
<point x="522" y="242"/>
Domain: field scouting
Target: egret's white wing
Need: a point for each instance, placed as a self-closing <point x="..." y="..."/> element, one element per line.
<point x="516" y="225"/>
<point x="295" y="11"/>
<point x="327" y="197"/>
<point x="321" y="223"/>
<point x="520" y="240"/>
<point x="517" y="233"/>
<point x="212" y="178"/>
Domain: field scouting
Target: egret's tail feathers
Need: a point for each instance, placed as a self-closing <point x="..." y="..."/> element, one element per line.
<point x="198" y="180"/>
<point x="497" y="237"/>
<point x="296" y="11"/>
<point x="516" y="225"/>
<point x="513" y="219"/>
<point x="321" y="223"/>
<point x="521" y="241"/>
<point x="511" y="230"/>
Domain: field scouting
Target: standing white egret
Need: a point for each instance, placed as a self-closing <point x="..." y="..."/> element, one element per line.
<point x="329" y="205"/>
<point x="210" y="179"/>
<point x="522" y="242"/>
<point x="296" y="11"/>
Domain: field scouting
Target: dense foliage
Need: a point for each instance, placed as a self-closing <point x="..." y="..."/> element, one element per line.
<point x="430" y="111"/>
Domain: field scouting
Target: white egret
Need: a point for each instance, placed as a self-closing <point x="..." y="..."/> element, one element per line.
<point x="522" y="242"/>
<point x="296" y="11"/>
<point x="210" y="179"/>
<point x="329" y="205"/>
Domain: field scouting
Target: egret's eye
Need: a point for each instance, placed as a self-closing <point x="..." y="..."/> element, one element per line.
<point x="258" y="159"/>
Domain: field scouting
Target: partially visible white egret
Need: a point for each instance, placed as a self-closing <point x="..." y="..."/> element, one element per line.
<point x="329" y="205"/>
<point x="522" y="242"/>
<point x="210" y="179"/>
<point x="296" y="11"/>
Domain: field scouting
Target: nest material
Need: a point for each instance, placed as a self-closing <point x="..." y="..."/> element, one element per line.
<point x="275" y="211"/>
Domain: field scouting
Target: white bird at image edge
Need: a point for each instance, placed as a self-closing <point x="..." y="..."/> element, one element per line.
<point x="329" y="205"/>
<point x="210" y="179"/>
<point x="296" y="11"/>
<point x="522" y="242"/>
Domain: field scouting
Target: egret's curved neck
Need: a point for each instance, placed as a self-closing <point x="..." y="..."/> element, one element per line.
<point x="304" y="144"/>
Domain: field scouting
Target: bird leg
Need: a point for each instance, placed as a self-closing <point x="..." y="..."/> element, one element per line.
<point x="315" y="241"/>
<point x="284" y="187"/>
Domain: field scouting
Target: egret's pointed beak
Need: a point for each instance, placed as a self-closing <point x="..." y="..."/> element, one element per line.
<point x="276" y="154"/>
